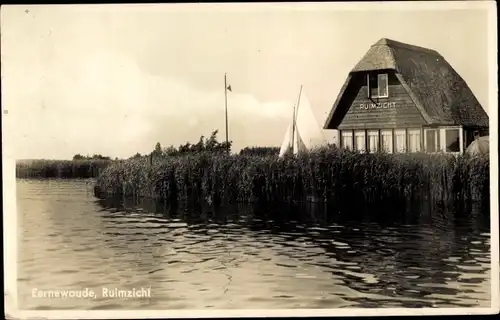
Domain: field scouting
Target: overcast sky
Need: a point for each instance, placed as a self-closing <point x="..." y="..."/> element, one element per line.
<point x="115" y="79"/>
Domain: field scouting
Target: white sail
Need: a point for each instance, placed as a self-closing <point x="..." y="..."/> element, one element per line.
<point x="308" y="134"/>
<point x="287" y="141"/>
<point x="307" y="125"/>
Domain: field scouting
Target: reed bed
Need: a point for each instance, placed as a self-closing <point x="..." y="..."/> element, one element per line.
<point x="62" y="169"/>
<point x="327" y="175"/>
<point x="260" y="151"/>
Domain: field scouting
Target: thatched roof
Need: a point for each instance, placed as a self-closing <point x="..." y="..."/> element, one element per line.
<point x="441" y="95"/>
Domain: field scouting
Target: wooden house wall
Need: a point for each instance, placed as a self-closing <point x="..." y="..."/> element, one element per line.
<point x="396" y="111"/>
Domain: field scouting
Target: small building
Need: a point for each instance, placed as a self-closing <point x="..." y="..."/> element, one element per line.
<point x="404" y="98"/>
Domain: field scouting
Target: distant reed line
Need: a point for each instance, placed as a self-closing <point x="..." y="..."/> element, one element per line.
<point x="324" y="175"/>
<point x="61" y="169"/>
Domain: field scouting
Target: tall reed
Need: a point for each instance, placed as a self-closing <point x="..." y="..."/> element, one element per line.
<point x="326" y="174"/>
<point x="72" y="169"/>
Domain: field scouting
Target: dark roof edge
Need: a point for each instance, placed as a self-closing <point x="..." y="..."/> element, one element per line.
<point x="336" y="103"/>
<point x="352" y="72"/>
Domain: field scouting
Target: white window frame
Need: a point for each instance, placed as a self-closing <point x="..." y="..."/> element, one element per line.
<point x="347" y="134"/>
<point x="373" y="133"/>
<point x="443" y="139"/>
<point x="412" y="132"/>
<point x="396" y="133"/>
<point x="379" y="75"/>
<point x="359" y="133"/>
<point x="387" y="132"/>
<point x="440" y="139"/>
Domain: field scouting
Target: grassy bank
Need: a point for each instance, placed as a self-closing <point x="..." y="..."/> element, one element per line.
<point x="328" y="174"/>
<point x="69" y="169"/>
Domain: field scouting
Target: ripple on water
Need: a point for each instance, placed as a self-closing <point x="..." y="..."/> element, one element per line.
<point x="72" y="241"/>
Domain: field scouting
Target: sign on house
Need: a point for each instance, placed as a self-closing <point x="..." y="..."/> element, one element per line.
<point x="381" y="105"/>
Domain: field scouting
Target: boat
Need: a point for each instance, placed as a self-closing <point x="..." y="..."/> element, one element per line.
<point x="303" y="132"/>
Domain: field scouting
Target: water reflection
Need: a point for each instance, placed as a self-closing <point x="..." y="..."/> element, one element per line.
<point x="248" y="256"/>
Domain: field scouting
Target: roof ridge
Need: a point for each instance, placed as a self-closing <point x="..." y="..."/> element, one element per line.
<point x="393" y="43"/>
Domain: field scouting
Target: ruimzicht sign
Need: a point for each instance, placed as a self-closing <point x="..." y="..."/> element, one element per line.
<point x="380" y="105"/>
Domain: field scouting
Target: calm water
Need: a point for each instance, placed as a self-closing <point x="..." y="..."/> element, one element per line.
<point x="241" y="257"/>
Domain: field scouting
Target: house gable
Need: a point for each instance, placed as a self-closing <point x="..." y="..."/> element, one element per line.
<point x="356" y="110"/>
<point x="441" y="96"/>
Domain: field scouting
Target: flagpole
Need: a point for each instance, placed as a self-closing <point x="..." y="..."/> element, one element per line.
<point x="293" y="128"/>
<point x="225" y="96"/>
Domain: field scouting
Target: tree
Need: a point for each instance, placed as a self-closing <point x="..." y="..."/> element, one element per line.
<point x="212" y="143"/>
<point x="99" y="157"/>
<point x="170" y="151"/>
<point x="157" y="151"/>
<point x="203" y="145"/>
<point x="158" y="147"/>
<point x="87" y="157"/>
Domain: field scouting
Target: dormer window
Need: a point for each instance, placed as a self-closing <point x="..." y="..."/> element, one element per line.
<point x="378" y="85"/>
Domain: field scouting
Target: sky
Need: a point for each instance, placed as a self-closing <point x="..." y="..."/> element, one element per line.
<point x="116" y="79"/>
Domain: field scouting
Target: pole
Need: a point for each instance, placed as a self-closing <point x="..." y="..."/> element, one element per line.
<point x="293" y="128"/>
<point x="295" y="113"/>
<point x="225" y="96"/>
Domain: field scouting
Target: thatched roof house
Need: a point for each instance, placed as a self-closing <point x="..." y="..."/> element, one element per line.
<point x="406" y="86"/>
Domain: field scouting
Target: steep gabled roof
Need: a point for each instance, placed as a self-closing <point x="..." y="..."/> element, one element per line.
<point x="441" y="95"/>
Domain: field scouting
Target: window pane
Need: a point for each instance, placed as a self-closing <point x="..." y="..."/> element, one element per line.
<point x="400" y="141"/>
<point x="416" y="136"/>
<point x="452" y="140"/>
<point x="382" y="85"/>
<point x="373" y="85"/>
<point x="386" y="141"/>
<point x="368" y="85"/>
<point x="347" y="140"/>
<point x="359" y="141"/>
<point x="372" y="141"/>
<point x="431" y="140"/>
<point x="373" y="144"/>
<point x="414" y="140"/>
<point x="411" y="143"/>
<point x="347" y="143"/>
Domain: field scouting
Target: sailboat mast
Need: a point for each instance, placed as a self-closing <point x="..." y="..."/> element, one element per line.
<point x="295" y="112"/>
<point x="225" y="97"/>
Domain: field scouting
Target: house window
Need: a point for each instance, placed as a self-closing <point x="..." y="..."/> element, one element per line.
<point x="373" y="141"/>
<point x="347" y="139"/>
<point x="383" y="85"/>
<point x="386" y="136"/>
<point x="359" y="141"/>
<point x="400" y="137"/>
<point x="452" y="140"/>
<point x="378" y="85"/>
<point x="414" y="140"/>
<point x="431" y="140"/>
